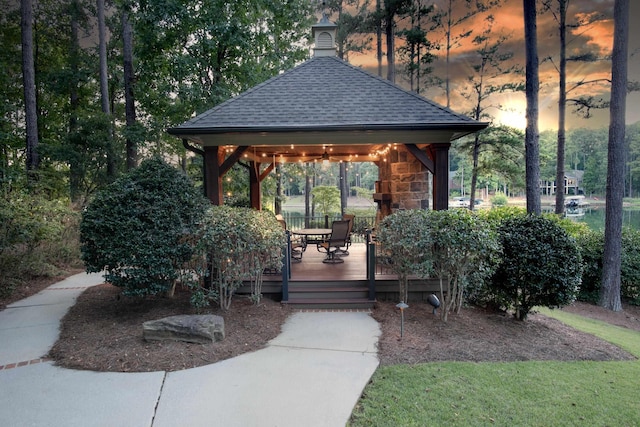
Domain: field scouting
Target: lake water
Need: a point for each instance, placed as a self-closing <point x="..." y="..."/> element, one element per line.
<point x="594" y="218"/>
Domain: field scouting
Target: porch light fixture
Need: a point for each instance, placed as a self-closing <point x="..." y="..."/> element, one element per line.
<point x="402" y="306"/>
<point x="325" y="159"/>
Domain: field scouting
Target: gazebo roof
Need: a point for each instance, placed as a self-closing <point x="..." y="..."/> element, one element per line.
<point x="326" y="101"/>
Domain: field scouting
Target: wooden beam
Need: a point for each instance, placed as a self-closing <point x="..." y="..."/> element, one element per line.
<point x="421" y="156"/>
<point x="266" y="172"/>
<point x="232" y="159"/>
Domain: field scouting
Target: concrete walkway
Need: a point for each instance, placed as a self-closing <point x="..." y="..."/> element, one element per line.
<point x="312" y="374"/>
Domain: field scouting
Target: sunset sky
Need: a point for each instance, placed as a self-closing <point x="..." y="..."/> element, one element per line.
<point x="597" y="38"/>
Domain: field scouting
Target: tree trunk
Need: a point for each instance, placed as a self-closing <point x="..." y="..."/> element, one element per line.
<point x="532" y="148"/>
<point x="344" y="193"/>
<point x="129" y="78"/>
<point x="307" y="196"/>
<point x="379" y="38"/>
<point x="279" y="197"/>
<point x="610" y="291"/>
<point x="104" y="87"/>
<point x="391" y="57"/>
<point x="29" y="83"/>
<point x="562" y="108"/>
<point x="75" y="166"/>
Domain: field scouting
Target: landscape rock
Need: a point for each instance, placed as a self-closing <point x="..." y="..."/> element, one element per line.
<point x="201" y="329"/>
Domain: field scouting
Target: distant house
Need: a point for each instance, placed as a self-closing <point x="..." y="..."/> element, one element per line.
<point x="572" y="184"/>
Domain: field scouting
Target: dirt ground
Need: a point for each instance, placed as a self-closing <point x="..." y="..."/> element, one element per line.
<point x="103" y="332"/>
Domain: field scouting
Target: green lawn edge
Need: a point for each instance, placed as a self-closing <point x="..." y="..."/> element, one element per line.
<point x="537" y="393"/>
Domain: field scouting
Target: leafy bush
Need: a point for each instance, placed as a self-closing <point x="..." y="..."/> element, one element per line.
<point x="500" y="199"/>
<point x="239" y="244"/>
<point x="540" y="266"/>
<point x="591" y="245"/>
<point x="630" y="266"/>
<point x="465" y="250"/>
<point x="38" y="237"/>
<point x="139" y="229"/>
<point x="405" y="246"/>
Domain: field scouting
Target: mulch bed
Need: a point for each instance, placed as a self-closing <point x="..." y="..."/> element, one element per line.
<point x="479" y="335"/>
<point x="103" y="332"/>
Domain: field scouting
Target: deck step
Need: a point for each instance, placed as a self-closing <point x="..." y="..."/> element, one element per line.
<point x="325" y="292"/>
<point x="330" y="303"/>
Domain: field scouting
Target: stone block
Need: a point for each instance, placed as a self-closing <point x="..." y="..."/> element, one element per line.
<point x="201" y="329"/>
<point x="399" y="168"/>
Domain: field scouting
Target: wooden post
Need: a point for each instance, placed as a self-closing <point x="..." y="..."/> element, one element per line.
<point x="213" y="178"/>
<point x="255" y="195"/>
<point x="440" y="157"/>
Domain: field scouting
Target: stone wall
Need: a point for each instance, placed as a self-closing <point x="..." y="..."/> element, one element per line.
<point x="406" y="180"/>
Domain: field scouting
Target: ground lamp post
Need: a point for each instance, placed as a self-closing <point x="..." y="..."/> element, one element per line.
<point x="434" y="302"/>
<point x="402" y="306"/>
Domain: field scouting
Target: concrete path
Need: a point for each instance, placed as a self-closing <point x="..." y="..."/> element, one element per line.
<point x="312" y="374"/>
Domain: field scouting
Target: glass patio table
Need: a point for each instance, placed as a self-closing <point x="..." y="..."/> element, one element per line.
<point x="312" y="235"/>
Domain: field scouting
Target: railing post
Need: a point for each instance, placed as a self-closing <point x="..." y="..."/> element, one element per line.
<point x="371" y="266"/>
<point x="286" y="268"/>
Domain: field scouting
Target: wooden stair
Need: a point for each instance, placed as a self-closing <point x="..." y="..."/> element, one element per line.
<point x="324" y="294"/>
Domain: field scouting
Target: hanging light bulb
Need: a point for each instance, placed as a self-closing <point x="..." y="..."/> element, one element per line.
<point x="325" y="159"/>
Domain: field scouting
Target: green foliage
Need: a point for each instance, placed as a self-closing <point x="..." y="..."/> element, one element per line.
<point x="591" y="245"/>
<point x="500" y="199"/>
<point x="497" y="215"/>
<point x="405" y="246"/>
<point x="326" y="199"/>
<point x="239" y="243"/>
<point x="139" y="228"/>
<point x="465" y="250"/>
<point x="541" y="265"/>
<point x="37" y="237"/>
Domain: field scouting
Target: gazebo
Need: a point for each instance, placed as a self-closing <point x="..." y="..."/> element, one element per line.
<point x="327" y="109"/>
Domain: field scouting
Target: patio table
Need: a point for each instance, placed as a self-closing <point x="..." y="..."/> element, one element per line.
<point x="312" y="235"/>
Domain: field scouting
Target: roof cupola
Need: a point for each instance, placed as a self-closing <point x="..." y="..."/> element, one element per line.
<point x="324" y="34"/>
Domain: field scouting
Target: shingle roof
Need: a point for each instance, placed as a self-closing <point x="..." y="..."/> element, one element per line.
<point x="325" y="93"/>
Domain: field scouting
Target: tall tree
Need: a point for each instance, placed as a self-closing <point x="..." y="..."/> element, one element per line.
<point x="488" y="79"/>
<point x="104" y="85"/>
<point x="392" y="10"/>
<point x="452" y="16"/>
<point x="129" y="77"/>
<point x="532" y="148"/>
<point x="416" y="50"/>
<point x="29" y="83"/>
<point x="610" y="290"/>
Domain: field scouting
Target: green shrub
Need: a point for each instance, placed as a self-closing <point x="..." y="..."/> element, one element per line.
<point x="139" y="229"/>
<point x="465" y="250"/>
<point x="500" y="199"/>
<point x="239" y="244"/>
<point x="540" y="266"/>
<point x="38" y="237"/>
<point x="630" y="266"/>
<point x="591" y="245"/>
<point x="405" y="246"/>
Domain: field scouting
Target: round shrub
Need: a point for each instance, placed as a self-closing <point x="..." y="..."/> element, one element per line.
<point x="405" y="246"/>
<point x="240" y="243"/>
<point x="140" y="229"/>
<point x="540" y="267"/>
<point x="500" y="199"/>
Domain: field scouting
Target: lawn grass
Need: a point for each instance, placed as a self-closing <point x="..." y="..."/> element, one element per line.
<point x="510" y="394"/>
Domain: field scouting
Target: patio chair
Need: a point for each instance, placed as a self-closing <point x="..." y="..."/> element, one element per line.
<point x="297" y="245"/>
<point x="351" y="218"/>
<point x="336" y="241"/>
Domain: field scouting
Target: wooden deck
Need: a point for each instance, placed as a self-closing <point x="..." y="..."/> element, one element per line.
<point x="314" y="284"/>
